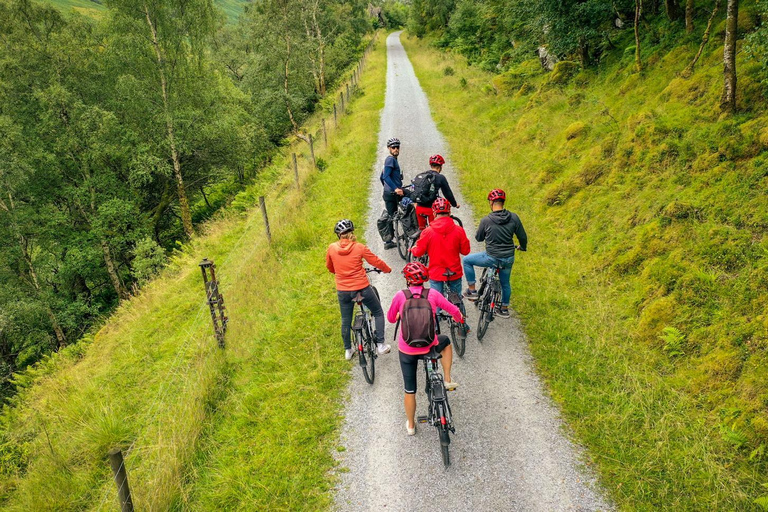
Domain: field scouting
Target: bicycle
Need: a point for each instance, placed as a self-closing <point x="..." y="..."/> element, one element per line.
<point x="439" y="412"/>
<point x="364" y="334"/>
<point x="401" y="239"/>
<point x="459" y="330"/>
<point x="488" y="298"/>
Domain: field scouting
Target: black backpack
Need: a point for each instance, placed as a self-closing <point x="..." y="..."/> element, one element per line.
<point x="418" y="320"/>
<point x="424" y="188"/>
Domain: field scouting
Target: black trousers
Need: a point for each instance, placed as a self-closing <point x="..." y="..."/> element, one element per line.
<point x="347" y="307"/>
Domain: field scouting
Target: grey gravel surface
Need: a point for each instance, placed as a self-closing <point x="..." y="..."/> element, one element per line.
<point x="510" y="451"/>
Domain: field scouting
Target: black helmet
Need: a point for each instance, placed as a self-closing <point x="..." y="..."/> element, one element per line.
<point x="394" y="142"/>
<point x="343" y="226"/>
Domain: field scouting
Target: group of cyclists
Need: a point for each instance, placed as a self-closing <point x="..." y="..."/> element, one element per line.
<point x="445" y="243"/>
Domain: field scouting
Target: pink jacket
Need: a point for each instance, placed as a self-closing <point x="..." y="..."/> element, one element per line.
<point x="436" y="299"/>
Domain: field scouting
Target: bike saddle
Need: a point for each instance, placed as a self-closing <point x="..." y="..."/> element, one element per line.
<point x="433" y="354"/>
<point x="416" y="235"/>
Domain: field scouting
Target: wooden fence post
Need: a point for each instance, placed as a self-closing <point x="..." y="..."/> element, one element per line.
<point x="335" y="120"/>
<point x="121" y="479"/>
<point x="214" y="299"/>
<point x="347" y="92"/>
<point x="263" y="206"/>
<point x="325" y="135"/>
<point x="312" y="150"/>
<point x="341" y="97"/>
<point x="296" y="170"/>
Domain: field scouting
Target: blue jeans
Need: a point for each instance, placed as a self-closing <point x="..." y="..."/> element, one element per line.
<point x="482" y="259"/>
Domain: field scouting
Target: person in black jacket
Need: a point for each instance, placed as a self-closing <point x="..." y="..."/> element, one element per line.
<point x="497" y="230"/>
<point x="424" y="208"/>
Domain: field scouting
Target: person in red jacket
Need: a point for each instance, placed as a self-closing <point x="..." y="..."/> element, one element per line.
<point x="344" y="259"/>
<point x="445" y="242"/>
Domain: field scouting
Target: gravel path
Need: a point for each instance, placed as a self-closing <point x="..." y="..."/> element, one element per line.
<point x="509" y="451"/>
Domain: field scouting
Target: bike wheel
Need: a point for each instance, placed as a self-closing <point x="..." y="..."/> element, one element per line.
<point x="401" y="240"/>
<point x="485" y="319"/>
<point x="445" y="448"/>
<point x="459" y="338"/>
<point x="369" y="370"/>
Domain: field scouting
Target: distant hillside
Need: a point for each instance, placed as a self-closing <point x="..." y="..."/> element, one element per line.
<point x="232" y="8"/>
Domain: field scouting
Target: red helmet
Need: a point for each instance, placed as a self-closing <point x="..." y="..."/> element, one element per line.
<point x="497" y="195"/>
<point x="441" y="205"/>
<point x="415" y="273"/>
<point x="436" y="160"/>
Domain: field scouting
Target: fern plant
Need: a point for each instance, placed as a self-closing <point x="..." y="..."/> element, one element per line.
<point x="673" y="340"/>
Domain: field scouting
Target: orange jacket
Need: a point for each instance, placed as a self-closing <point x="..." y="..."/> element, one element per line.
<point x="345" y="259"/>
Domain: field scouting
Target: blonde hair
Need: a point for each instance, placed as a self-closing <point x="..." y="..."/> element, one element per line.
<point x="349" y="235"/>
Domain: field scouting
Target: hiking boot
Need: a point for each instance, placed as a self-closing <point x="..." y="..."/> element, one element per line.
<point x="382" y="348"/>
<point x="348" y="353"/>
<point x="503" y="312"/>
<point x="471" y="295"/>
<point x="390" y="245"/>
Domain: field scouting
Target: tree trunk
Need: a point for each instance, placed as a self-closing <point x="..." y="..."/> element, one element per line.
<point x="689" y="16"/>
<point x="112" y="271"/>
<point x="673" y="9"/>
<point x="584" y="53"/>
<point x="728" y="99"/>
<point x="320" y="46"/>
<point x="202" y="191"/>
<point x="638" y="13"/>
<point x="186" y="215"/>
<point x="704" y="39"/>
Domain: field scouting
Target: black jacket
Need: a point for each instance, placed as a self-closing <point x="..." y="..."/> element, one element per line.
<point x="441" y="183"/>
<point x="496" y="230"/>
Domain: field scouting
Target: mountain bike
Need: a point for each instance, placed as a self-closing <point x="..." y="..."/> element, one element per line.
<point x="401" y="239"/>
<point x="488" y="298"/>
<point x="439" y="412"/>
<point x="459" y="330"/>
<point x="362" y="328"/>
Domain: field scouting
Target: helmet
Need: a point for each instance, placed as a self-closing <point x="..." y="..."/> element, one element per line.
<point x="436" y="160"/>
<point x="343" y="226"/>
<point x="441" y="205"/>
<point x="415" y="273"/>
<point x="394" y="142"/>
<point x="497" y="195"/>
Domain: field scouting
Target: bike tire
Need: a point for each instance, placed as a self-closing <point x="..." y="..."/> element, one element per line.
<point x="482" y="324"/>
<point x="401" y="241"/>
<point x="458" y="338"/>
<point x="445" y="448"/>
<point x="369" y="371"/>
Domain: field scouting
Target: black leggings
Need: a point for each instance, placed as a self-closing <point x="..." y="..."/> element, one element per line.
<point x="390" y="202"/>
<point x="409" y="364"/>
<point x="347" y="307"/>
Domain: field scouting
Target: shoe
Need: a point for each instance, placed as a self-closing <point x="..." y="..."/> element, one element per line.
<point x="411" y="431"/>
<point x="503" y="313"/>
<point x="390" y="245"/>
<point x="450" y="386"/>
<point x="348" y="353"/>
<point x="471" y="294"/>
<point x="382" y="348"/>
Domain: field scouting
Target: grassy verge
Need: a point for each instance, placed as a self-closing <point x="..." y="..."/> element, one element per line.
<point x="643" y="292"/>
<point x="250" y="427"/>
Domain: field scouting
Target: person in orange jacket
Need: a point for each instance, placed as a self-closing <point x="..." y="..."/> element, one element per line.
<point x="344" y="259"/>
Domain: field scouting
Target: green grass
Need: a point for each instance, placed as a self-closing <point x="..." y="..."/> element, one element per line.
<point x="645" y="210"/>
<point x="251" y="427"/>
<point x="231" y="8"/>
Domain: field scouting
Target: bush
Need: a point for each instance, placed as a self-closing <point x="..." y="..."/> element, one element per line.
<point x="448" y="71"/>
<point x="148" y="259"/>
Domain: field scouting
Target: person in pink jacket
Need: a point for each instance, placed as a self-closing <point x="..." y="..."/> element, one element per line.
<point x="415" y="276"/>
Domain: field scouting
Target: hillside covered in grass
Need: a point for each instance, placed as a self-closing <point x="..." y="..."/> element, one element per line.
<point x="645" y="286"/>
<point x="205" y="428"/>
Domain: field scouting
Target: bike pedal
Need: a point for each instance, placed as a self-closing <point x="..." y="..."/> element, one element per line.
<point x="422" y="419"/>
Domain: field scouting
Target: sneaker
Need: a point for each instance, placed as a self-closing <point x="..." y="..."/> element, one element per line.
<point x="382" y="348"/>
<point x="450" y="386"/>
<point x="348" y="353"/>
<point x="503" y="312"/>
<point x="470" y="294"/>
<point x="411" y="431"/>
<point x="390" y="245"/>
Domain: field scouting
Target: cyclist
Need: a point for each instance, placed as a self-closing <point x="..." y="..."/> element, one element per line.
<point x="426" y="186"/>
<point x="497" y="230"/>
<point x="415" y="276"/>
<point x="345" y="259"/>
<point x="392" y="180"/>
<point x="445" y="242"/>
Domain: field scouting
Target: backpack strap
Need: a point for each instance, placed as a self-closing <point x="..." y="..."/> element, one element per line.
<point x="408" y="295"/>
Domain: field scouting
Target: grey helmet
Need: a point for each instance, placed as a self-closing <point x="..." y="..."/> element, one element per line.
<point x="394" y="142"/>
<point x="343" y="226"/>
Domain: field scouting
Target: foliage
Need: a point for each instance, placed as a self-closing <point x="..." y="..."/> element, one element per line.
<point x="757" y="44"/>
<point x="395" y="14"/>
<point x="654" y="216"/>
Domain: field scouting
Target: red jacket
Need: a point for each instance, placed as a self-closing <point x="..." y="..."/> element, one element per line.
<point x="345" y="259"/>
<point x="444" y="241"/>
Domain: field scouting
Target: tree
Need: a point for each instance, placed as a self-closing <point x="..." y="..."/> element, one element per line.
<point x="689" y="16"/>
<point x="728" y="98"/>
<point x="638" y="14"/>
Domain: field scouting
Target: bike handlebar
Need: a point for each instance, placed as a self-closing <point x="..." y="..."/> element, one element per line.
<point x="369" y="270"/>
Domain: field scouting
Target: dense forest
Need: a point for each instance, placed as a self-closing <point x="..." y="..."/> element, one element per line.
<point x="120" y="133"/>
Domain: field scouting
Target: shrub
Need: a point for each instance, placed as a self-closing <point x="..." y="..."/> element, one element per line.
<point x="448" y="71"/>
<point x="148" y="259"/>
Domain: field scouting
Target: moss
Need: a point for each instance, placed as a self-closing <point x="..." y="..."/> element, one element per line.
<point x="563" y="72"/>
<point x="576" y="130"/>
<point x="657" y="315"/>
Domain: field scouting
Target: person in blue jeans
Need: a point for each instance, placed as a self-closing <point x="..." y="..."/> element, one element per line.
<point x="497" y="230"/>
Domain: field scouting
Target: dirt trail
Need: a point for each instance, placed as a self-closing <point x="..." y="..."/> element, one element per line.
<point x="509" y="451"/>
